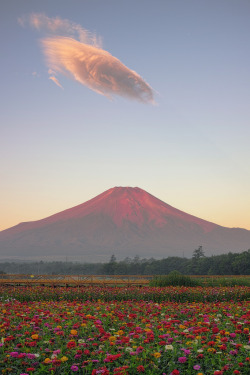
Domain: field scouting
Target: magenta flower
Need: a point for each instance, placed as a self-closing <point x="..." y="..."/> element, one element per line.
<point x="14" y="354"/>
<point x="196" y="367"/>
<point x="74" y="368"/>
<point x="182" y="359"/>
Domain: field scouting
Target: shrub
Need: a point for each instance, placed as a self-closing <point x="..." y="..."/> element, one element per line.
<point x="174" y="278"/>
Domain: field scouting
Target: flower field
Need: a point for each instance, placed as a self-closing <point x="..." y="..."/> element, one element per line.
<point x="118" y="331"/>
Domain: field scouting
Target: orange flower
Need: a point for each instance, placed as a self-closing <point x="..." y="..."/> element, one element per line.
<point x="157" y="355"/>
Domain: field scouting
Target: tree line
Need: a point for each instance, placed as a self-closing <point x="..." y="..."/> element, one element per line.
<point x="199" y="264"/>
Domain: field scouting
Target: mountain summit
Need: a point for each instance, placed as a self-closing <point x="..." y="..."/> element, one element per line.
<point x="124" y="221"/>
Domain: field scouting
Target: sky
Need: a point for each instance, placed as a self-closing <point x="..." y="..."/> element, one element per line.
<point x="96" y="94"/>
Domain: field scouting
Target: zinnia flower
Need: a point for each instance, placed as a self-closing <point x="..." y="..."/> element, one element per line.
<point x="196" y="367"/>
<point x="182" y="359"/>
<point x="140" y="368"/>
<point x="169" y="347"/>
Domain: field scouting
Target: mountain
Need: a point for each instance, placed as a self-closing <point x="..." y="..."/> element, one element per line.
<point x="124" y="221"/>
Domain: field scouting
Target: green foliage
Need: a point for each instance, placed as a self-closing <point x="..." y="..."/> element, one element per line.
<point x="225" y="264"/>
<point x="175" y="278"/>
<point x="227" y="281"/>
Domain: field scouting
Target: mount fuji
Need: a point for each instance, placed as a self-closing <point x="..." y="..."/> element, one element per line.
<point x="124" y="221"/>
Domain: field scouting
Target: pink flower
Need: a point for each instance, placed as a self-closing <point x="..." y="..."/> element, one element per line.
<point x="182" y="359"/>
<point x="196" y="367"/>
<point x="74" y="368"/>
<point x="14" y="354"/>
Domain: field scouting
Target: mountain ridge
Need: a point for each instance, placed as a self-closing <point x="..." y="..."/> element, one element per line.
<point x="122" y="220"/>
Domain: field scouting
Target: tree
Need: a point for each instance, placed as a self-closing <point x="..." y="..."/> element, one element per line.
<point x="110" y="267"/>
<point x="198" y="253"/>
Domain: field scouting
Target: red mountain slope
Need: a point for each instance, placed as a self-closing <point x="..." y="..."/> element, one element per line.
<point x="122" y="220"/>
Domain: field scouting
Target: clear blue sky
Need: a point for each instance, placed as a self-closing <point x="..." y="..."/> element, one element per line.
<point x="61" y="147"/>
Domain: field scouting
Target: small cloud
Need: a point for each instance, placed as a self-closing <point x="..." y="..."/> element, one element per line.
<point x="54" y="79"/>
<point x="58" y="26"/>
<point x="50" y="71"/>
<point x="76" y="53"/>
<point x="35" y="74"/>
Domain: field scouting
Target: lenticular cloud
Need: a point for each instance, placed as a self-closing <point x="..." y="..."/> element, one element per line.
<point x="95" y="68"/>
<point x="75" y="52"/>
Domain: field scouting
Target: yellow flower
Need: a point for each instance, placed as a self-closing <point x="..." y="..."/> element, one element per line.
<point x="157" y="355"/>
<point x="73" y="332"/>
<point x="211" y="350"/>
<point x="83" y="324"/>
<point x="47" y="360"/>
<point x="64" y="358"/>
<point x="112" y="338"/>
<point x="35" y="337"/>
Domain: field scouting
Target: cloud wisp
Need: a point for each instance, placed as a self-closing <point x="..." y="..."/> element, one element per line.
<point x="74" y="52"/>
<point x="54" y="79"/>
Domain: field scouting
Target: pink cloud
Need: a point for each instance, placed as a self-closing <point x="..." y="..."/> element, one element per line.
<point x="95" y="68"/>
<point x="76" y="53"/>
<point x="54" y="79"/>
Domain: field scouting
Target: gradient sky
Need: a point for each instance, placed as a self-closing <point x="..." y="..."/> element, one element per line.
<point x="60" y="146"/>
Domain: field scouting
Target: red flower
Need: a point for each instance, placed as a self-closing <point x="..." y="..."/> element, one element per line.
<point x="71" y="344"/>
<point x="175" y="372"/>
<point x="140" y="368"/>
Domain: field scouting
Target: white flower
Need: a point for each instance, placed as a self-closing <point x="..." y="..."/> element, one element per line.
<point x="169" y="347"/>
<point x="128" y="349"/>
